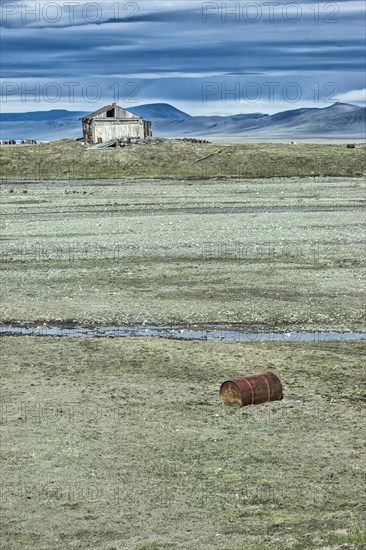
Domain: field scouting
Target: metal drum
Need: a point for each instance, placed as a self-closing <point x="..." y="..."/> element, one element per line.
<point x="251" y="390"/>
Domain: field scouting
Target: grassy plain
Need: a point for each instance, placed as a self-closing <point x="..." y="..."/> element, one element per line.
<point x="121" y="444"/>
<point x="166" y="159"/>
<point x="264" y="254"/>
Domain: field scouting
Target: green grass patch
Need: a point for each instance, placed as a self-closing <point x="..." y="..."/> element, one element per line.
<point x="69" y="159"/>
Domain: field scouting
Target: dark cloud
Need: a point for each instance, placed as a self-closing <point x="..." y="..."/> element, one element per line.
<point x="171" y="52"/>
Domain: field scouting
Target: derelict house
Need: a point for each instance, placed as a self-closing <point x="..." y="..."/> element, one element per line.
<point x="113" y="122"/>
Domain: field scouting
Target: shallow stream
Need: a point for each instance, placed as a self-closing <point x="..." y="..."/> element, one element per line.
<point x="214" y="333"/>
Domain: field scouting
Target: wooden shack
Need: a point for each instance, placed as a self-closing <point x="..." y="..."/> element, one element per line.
<point x="114" y="122"/>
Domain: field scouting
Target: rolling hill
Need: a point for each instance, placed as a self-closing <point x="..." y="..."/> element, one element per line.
<point x="340" y="120"/>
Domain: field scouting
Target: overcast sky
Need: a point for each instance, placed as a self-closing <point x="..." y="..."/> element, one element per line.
<point x="202" y="57"/>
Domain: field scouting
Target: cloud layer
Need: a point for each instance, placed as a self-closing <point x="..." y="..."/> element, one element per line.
<point x="205" y="57"/>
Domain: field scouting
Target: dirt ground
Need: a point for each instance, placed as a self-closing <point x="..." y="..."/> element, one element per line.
<point x="265" y="254"/>
<point x="122" y="444"/>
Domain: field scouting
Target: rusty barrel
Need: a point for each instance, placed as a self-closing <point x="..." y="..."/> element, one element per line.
<point x="251" y="390"/>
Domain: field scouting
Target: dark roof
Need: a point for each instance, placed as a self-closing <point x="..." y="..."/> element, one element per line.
<point x="103" y="110"/>
<point x="98" y="112"/>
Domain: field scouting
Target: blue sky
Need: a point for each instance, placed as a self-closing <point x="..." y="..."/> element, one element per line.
<point x="203" y="57"/>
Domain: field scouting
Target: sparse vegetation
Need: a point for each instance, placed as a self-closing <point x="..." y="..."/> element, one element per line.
<point x="285" y="254"/>
<point x="123" y="444"/>
<point x="69" y="159"/>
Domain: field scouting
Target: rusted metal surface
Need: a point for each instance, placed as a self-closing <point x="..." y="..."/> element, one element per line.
<point x="251" y="390"/>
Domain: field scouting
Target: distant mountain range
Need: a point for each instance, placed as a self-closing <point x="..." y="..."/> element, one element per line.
<point x="339" y="120"/>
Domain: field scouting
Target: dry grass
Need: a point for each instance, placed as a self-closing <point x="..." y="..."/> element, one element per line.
<point x="68" y="159"/>
<point x="122" y="444"/>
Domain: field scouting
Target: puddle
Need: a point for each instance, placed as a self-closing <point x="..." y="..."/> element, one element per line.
<point x="213" y="334"/>
<point x="135" y="210"/>
<point x="33" y="182"/>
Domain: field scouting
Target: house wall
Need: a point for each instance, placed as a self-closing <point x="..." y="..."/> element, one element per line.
<point x="117" y="129"/>
<point x="87" y="130"/>
<point x="147" y="128"/>
<point x="123" y="125"/>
